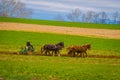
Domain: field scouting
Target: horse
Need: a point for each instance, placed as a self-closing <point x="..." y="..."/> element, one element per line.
<point x="79" y="50"/>
<point x="72" y="50"/>
<point x="55" y="48"/>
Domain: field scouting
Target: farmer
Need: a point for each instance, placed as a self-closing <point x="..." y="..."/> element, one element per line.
<point x="29" y="47"/>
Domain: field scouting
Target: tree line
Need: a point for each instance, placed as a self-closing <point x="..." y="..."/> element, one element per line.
<point x="77" y="15"/>
<point x="16" y="8"/>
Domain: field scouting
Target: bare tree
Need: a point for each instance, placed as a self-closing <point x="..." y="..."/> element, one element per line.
<point x="118" y="21"/>
<point x="103" y="17"/>
<point x="115" y="16"/>
<point x="89" y="16"/>
<point x="83" y="17"/>
<point x="14" y="8"/>
<point x="74" y="15"/>
<point x="96" y="18"/>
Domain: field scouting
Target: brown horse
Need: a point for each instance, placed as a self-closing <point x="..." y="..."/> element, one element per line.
<point x="80" y="50"/>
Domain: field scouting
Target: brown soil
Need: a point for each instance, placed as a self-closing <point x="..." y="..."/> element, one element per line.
<point x="89" y="56"/>
<point x="106" y="33"/>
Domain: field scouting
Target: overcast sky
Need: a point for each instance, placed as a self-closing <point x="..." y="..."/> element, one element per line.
<point x="48" y="9"/>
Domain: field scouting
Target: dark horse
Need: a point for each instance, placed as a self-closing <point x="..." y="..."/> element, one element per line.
<point x="79" y="50"/>
<point x="55" y="48"/>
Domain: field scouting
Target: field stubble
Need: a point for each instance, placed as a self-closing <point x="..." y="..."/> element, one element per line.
<point x="58" y="68"/>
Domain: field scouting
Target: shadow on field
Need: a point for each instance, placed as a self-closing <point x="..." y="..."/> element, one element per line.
<point x="65" y="55"/>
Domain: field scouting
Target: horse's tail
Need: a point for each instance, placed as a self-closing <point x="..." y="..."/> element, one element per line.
<point x="69" y="48"/>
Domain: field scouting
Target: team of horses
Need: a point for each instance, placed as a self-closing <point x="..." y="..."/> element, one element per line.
<point x="54" y="49"/>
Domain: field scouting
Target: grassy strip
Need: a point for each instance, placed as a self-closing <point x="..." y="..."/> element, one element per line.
<point x="13" y="40"/>
<point x="16" y="67"/>
<point x="60" y="23"/>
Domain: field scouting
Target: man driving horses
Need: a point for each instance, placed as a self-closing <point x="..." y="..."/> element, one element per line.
<point x="29" y="47"/>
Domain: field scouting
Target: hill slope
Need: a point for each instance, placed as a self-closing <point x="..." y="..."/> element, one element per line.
<point x="61" y="30"/>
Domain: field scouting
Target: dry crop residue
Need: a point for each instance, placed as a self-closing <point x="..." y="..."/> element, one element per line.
<point x="106" y="33"/>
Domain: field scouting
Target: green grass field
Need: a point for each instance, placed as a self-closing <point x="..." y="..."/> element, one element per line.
<point x="61" y="23"/>
<point x="13" y="40"/>
<point x="21" y="67"/>
<point x="35" y="67"/>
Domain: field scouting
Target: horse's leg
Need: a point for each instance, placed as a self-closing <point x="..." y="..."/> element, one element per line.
<point x="77" y="54"/>
<point x="73" y="54"/>
<point x="41" y="51"/>
<point x="80" y="54"/>
<point x="53" y="53"/>
<point x="58" y="53"/>
<point x="69" y="53"/>
<point x="86" y="53"/>
<point x="46" y="52"/>
<point x="83" y="54"/>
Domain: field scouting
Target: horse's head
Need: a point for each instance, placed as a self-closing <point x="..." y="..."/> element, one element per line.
<point x="88" y="46"/>
<point x="60" y="44"/>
